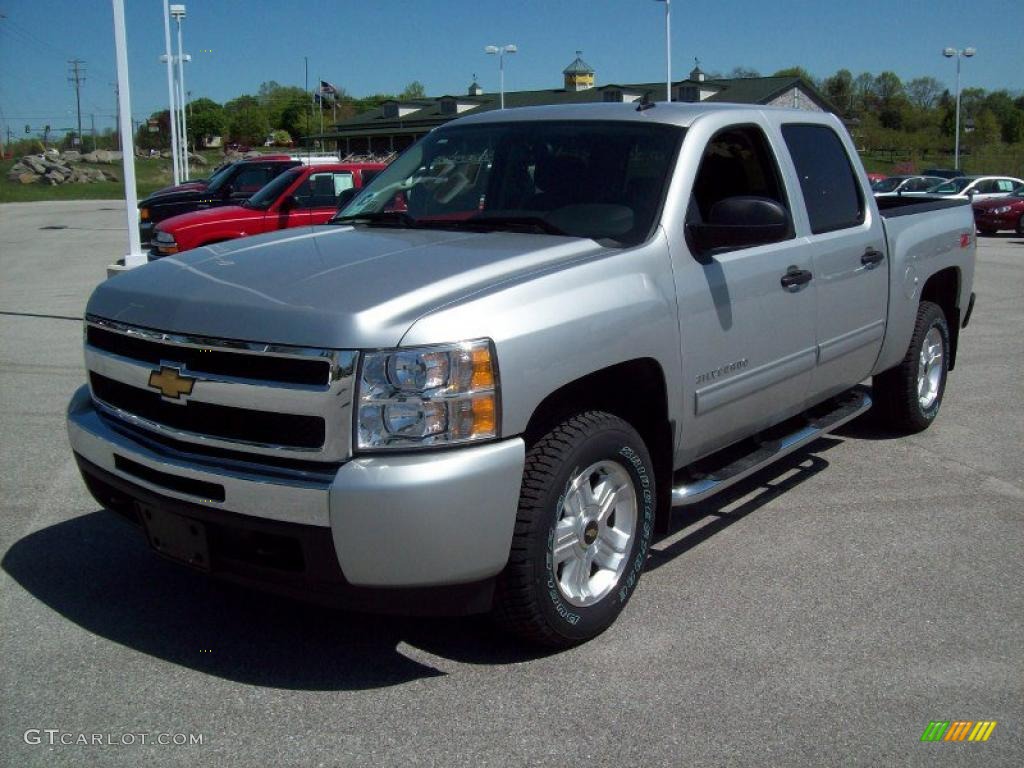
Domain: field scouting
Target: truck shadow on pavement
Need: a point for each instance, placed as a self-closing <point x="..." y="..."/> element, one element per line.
<point x="97" y="571"/>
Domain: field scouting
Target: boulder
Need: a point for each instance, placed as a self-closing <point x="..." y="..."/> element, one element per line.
<point x="20" y="167"/>
<point x="89" y="157"/>
<point x="72" y="156"/>
<point x="196" y="159"/>
<point x="35" y="165"/>
<point x="56" y="178"/>
<point x="28" y="178"/>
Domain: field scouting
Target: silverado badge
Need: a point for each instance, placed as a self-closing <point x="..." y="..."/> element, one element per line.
<point x="171" y="383"/>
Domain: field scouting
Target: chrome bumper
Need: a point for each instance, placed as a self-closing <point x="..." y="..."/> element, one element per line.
<point x="443" y="517"/>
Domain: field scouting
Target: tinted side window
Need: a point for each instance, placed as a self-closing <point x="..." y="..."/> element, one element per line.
<point x="251" y="179"/>
<point x="830" y="187"/>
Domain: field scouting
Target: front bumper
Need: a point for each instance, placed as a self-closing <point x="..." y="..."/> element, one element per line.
<point x="995" y="222"/>
<point x="430" y="519"/>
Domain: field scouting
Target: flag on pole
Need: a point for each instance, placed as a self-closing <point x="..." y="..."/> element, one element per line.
<point x="326" y="88"/>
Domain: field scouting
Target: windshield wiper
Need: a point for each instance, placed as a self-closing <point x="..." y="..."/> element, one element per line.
<point x="393" y="218"/>
<point x="534" y="223"/>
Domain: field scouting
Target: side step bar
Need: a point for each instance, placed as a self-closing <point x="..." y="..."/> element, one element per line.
<point x="817" y="423"/>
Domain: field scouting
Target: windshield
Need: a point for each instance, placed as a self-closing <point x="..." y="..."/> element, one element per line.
<point x="602" y="180"/>
<point x="218" y="176"/>
<point x="954" y="186"/>
<point x="887" y="185"/>
<point x="273" y="190"/>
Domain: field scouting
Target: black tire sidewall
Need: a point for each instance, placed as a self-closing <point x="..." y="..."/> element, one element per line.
<point x="626" y="449"/>
<point x="933" y="319"/>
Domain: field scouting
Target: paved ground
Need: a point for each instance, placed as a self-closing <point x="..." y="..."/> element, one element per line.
<point x="821" y="615"/>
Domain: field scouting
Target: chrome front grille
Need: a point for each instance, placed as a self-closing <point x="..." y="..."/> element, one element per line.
<point x="263" y="399"/>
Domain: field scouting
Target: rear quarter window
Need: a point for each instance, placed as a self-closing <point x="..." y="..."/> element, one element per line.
<point x="831" y="191"/>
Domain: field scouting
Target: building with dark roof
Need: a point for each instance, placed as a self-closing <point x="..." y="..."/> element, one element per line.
<point x="394" y="125"/>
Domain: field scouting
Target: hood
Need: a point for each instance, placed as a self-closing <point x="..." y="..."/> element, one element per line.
<point x="326" y="286"/>
<point x="998" y="202"/>
<point x="183" y="187"/>
<point x="222" y="213"/>
<point x="177" y="194"/>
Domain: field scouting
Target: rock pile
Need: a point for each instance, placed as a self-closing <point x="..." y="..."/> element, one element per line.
<point x="33" y="169"/>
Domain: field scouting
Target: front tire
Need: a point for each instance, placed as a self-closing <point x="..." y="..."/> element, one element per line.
<point x="1020" y="225"/>
<point x="909" y="395"/>
<point x="583" y="529"/>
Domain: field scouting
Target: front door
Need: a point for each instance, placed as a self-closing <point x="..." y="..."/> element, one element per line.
<point x="747" y="314"/>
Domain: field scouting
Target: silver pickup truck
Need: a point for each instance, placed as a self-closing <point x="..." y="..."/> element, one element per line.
<point x="487" y="383"/>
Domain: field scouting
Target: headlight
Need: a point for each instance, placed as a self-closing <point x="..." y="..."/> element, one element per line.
<point x="1003" y="209"/>
<point x="143" y="213"/>
<point x="444" y="395"/>
<point x="165" y="242"/>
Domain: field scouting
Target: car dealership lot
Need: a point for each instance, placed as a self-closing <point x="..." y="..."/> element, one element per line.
<point x="821" y="614"/>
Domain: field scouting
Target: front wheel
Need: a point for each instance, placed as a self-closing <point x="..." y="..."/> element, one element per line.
<point x="583" y="528"/>
<point x="909" y="395"/>
<point x="1020" y="225"/>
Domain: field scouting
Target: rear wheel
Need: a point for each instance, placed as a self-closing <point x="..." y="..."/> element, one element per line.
<point x="583" y="528"/>
<point x="1020" y="225"/>
<point x="909" y="395"/>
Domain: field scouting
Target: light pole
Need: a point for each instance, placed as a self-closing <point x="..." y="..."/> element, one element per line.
<point x="170" y="93"/>
<point x="134" y="257"/>
<point x="500" y="51"/>
<point x="178" y="13"/>
<point x="966" y="53"/>
<point x="668" y="48"/>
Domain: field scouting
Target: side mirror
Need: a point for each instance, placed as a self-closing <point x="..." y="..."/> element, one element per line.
<point x="740" y="222"/>
<point x="345" y="197"/>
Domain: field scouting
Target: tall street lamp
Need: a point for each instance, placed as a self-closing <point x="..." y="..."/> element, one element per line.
<point x="178" y="14"/>
<point x="668" y="48"/>
<point x="500" y="51"/>
<point x="949" y="53"/>
<point x="170" y="93"/>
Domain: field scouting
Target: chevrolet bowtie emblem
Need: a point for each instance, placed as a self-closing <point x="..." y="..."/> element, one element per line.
<point x="171" y="383"/>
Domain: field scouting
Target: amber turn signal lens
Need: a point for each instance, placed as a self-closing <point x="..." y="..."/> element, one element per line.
<point x="483" y="371"/>
<point x="484" y="422"/>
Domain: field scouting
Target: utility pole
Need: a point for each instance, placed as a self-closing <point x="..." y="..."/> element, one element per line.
<point x="92" y="123"/>
<point x="76" y="78"/>
<point x="117" y="134"/>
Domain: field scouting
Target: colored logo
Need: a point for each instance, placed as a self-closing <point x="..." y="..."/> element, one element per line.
<point x="958" y="730"/>
<point x="171" y="383"/>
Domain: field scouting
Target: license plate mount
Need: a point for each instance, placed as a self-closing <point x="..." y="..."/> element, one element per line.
<point x="176" y="537"/>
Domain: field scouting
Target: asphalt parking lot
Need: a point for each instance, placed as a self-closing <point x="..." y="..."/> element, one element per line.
<point x="820" y="614"/>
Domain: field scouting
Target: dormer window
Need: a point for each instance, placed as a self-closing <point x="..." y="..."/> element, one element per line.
<point x="688" y="93"/>
<point x="613" y="94"/>
<point x="390" y="109"/>
<point x="448" y="107"/>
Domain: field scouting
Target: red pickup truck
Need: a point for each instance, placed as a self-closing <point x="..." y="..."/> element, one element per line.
<point x="300" y="197"/>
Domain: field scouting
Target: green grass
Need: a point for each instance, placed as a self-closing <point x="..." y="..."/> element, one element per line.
<point x="150" y="175"/>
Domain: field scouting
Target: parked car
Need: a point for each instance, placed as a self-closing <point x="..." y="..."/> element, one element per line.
<point x="975" y="187"/>
<point x="1000" y="213"/>
<point x="230" y="186"/>
<point x="490" y="397"/>
<point x="873" y="177"/>
<point x="299" y="197"/>
<point x="901" y="185"/>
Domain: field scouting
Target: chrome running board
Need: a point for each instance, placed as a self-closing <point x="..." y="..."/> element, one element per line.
<point x="816" y="423"/>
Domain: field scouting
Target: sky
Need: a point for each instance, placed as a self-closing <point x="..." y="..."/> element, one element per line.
<point x="376" y="46"/>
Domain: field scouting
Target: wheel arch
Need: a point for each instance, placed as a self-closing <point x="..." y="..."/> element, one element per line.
<point x="943" y="289"/>
<point x="634" y="390"/>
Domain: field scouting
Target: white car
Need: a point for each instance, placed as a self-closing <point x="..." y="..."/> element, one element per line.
<point x="976" y="187"/>
<point x="893" y="186"/>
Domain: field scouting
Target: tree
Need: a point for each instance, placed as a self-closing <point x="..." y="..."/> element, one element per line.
<point x="414" y="90"/>
<point x="889" y="88"/>
<point x="923" y="92"/>
<point x="839" y="90"/>
<point x="742" y="73"/>
<point x="864" y="92"/>
<point x="207" y="119"/>
<point x="797" y="72"/>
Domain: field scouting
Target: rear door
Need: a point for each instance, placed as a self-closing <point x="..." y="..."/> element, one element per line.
<point x="847" y="243"/>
